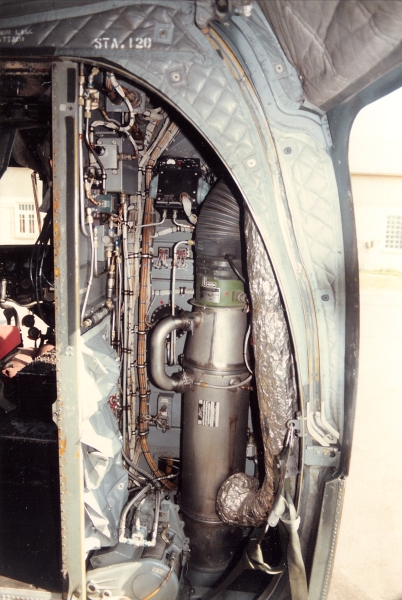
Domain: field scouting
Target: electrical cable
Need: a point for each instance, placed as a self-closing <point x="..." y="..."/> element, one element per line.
<point x="230" y="259"/>
<point x="41" y="274"/>
<point x="137" y="468"/>
<point x="96" y="157"/>
<point x="91" y="273"/>
<point x="35" y="262"/>
<point x="137" y="498"/>
<point x="245" y="353"/>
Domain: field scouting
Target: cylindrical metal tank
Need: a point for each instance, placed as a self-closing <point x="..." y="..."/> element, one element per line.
<point x="214" y="436"/>
<point x="214" y="420"/>
<point x="215" y="414"/>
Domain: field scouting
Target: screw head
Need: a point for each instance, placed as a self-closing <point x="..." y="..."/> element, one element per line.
<point x="279" y="68"/>
<point x="287" y="150"/>
<point x="251" y="163"/>
<point x="325" y="297"/>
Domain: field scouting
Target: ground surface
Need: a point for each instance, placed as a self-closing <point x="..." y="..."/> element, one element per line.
<point x="368" y="564"/>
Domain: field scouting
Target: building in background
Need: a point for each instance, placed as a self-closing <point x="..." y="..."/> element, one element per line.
<point x="18" y="214"/>
<point x="375" y="156"/>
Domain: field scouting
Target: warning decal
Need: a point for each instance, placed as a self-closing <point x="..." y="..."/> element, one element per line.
<point x="208" y="413"/>
<point x="210" y="294"/>
<point x="209" y="291"/>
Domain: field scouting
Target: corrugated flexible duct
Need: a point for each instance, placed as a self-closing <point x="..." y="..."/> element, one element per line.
<point x="218" y="230"/>
<point x="240" y="500"/>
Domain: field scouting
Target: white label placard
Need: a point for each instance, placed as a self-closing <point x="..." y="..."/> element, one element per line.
<point x="208" y="413"/>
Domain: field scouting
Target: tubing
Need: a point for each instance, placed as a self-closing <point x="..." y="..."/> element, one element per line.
<point x="137" y="468"/>
<point x="91" y="273"/>
<point x="166" y="135"/>
<point x="172" y="357"/>
<point x="204" y="384"/>
<point x="245" y="353"/>
<point x="184" y="321"/>
<point x="165" y="580"/>
<point x="122" y="521"/>
<point x="141" y="346"/>
<point x="156" y="519"/>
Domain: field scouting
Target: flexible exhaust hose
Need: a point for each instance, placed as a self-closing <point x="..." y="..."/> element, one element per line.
<point x="240" y="500"/>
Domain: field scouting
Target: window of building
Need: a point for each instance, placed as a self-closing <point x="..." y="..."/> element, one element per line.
<point x="393" y="235"/>
<point x="25" y="219"/>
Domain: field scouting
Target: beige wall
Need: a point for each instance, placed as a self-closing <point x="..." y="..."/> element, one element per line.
<point x="375" y="197"/>
<point x="15" y="188"/>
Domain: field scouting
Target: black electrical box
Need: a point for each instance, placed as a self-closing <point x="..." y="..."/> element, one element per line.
<point x="177" y="176"/>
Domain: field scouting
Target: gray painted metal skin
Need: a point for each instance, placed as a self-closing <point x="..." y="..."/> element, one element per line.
<point x="235" y="85"/>
<point x="66" y="243"/>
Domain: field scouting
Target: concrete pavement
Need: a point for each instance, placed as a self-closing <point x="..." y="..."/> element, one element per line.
<point x="368" y="563"/>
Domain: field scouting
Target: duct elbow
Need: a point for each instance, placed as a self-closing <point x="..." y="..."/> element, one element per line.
<point x="178" y="382"/>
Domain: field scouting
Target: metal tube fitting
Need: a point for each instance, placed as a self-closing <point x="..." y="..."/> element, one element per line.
<point x="178" y="382"/>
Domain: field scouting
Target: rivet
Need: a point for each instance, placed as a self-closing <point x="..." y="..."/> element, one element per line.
<point x="279" y="68"/>
<point x="251" y="163"/>
<point x="325" y="297"/>
<point x="287" y="150"/>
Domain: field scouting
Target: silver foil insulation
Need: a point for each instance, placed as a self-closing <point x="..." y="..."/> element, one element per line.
<point x="240" y="500"/>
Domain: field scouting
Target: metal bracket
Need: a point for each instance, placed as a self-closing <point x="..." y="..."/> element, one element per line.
<point x="291" y="467"/>
<point x="220" y="10"/>
<point x="317" y="456"/>
<point x="297" y="425"/>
